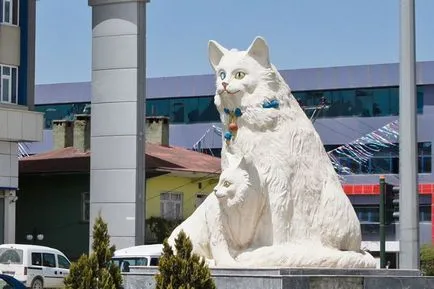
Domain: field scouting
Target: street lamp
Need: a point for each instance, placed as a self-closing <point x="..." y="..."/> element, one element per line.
<point x="35" y="236"/>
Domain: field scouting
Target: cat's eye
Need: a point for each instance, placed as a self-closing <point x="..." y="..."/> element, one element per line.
<point x="226" y="184"/>
<point x="222" y="75"/>
<point x="239" y="75"/>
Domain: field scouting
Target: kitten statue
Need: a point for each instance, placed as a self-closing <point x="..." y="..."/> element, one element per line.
<point x="263" y="122"/>
<point x="232" y="218"/>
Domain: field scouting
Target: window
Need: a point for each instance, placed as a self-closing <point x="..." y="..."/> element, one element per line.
<point x="154" y="262"/>
<point x="171" y="205"/>
<point x="362" y="102"/>
<point x="120" y="262"/>
<point x="9" y="11"/>
<point x="424" y="157"/>
<point x="11" y="256"/>
<point x="48" y="260"/>
<point x="200" y="198"/>
<point x="63" y="262"/>
<point x="8" y="84"/>
<point x="368" y="214"/>
<point x="85" y="207"/>
<point x="425" y="213"/>
<point x="37" y="259"/>
<point x="184" y="109"/>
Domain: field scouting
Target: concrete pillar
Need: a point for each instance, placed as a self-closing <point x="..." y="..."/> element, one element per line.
<point x="118" y="111"/>
<point x="8" y="185"/>
<point x="10" y="199"/>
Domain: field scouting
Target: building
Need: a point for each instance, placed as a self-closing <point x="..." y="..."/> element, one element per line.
<point x="54" y="186"/>
<point x="18" y="121"/>
<point x="361" y="100"/>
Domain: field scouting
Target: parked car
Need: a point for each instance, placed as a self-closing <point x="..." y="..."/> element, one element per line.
<point x="144" y="255"/>
<point x="9" y="282"/>
<point x="35" y="266"/>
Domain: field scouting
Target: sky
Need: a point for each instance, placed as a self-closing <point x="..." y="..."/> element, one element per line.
<point x="300" y="34"/>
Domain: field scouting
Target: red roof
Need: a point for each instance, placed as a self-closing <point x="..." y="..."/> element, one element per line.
<point x="157" y="158"/>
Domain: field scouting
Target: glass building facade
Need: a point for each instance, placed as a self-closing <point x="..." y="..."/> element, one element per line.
<point x="364" y="102"/>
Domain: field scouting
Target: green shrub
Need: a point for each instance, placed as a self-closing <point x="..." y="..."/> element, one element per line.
<point x="427" y="260"/>
<point x="96" y="271"/>
<point x="184" y="270"/>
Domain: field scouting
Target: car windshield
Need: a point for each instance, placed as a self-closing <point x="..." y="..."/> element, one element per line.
<point x="11" y="256"/>
<point x="125" y="263"/>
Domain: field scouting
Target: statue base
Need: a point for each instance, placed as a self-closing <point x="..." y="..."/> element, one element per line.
<point x="300" y="278"/>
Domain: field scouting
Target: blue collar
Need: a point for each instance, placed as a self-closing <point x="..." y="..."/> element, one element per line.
<point x="274" y="103"/>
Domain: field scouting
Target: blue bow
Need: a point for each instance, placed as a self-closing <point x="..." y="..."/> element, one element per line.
<point x="237" y="111"/>
<point x="271" y="104"/>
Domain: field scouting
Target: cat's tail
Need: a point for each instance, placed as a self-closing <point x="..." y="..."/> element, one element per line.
<point x="305" y="256"/>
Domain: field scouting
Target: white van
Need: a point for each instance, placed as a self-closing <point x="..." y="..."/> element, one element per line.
<point x="36" y="266"/>
<point x="144" y="255"/>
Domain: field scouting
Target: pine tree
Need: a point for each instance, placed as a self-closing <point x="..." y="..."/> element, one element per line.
<point x="184" y="270"/>
<point x="96" y="271"/>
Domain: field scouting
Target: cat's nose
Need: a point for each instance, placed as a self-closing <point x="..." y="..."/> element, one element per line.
<point x="224" y="84"/>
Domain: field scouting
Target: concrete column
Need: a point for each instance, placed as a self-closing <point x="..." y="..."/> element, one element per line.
<point x="10" y="200"/>
<point x="118" y="107"/>
<point x="8" y="185"/>
<point x="408" y="174"/>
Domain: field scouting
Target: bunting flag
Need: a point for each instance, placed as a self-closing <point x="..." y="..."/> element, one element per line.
<point x="365" y="147"/>
<point x="358" y="151"/>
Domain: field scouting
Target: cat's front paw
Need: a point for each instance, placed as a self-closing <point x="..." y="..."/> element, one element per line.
<point x="210" y="262"/>
<point x="228" y="263"/>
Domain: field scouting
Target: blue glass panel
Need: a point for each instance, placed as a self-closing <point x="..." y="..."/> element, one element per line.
<point x="394" y="101"/>
<point x="59" y="111"/>
<point x="381" y="103"/>
<point x="177" y="110"/>
<point x="207" y="110"/>
<point x="191" y="110"/>
<point x="348" y="102"/>
<point x="158" y="107"/>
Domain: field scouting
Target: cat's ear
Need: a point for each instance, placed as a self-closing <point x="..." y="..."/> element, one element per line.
<point x="215" y="53"/>
<point x="258" y="50"/>
<point x="245" y="163"/>
<point x="233" y="160"/>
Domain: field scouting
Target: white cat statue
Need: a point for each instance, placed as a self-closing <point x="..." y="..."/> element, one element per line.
<point x="310" y="221"/>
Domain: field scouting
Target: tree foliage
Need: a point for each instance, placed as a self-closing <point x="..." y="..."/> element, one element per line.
<point x="427" y="259"/>
<point x="185" y="270"/>
<point x="96" y="271"/>
<point x="162" y="228"/>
